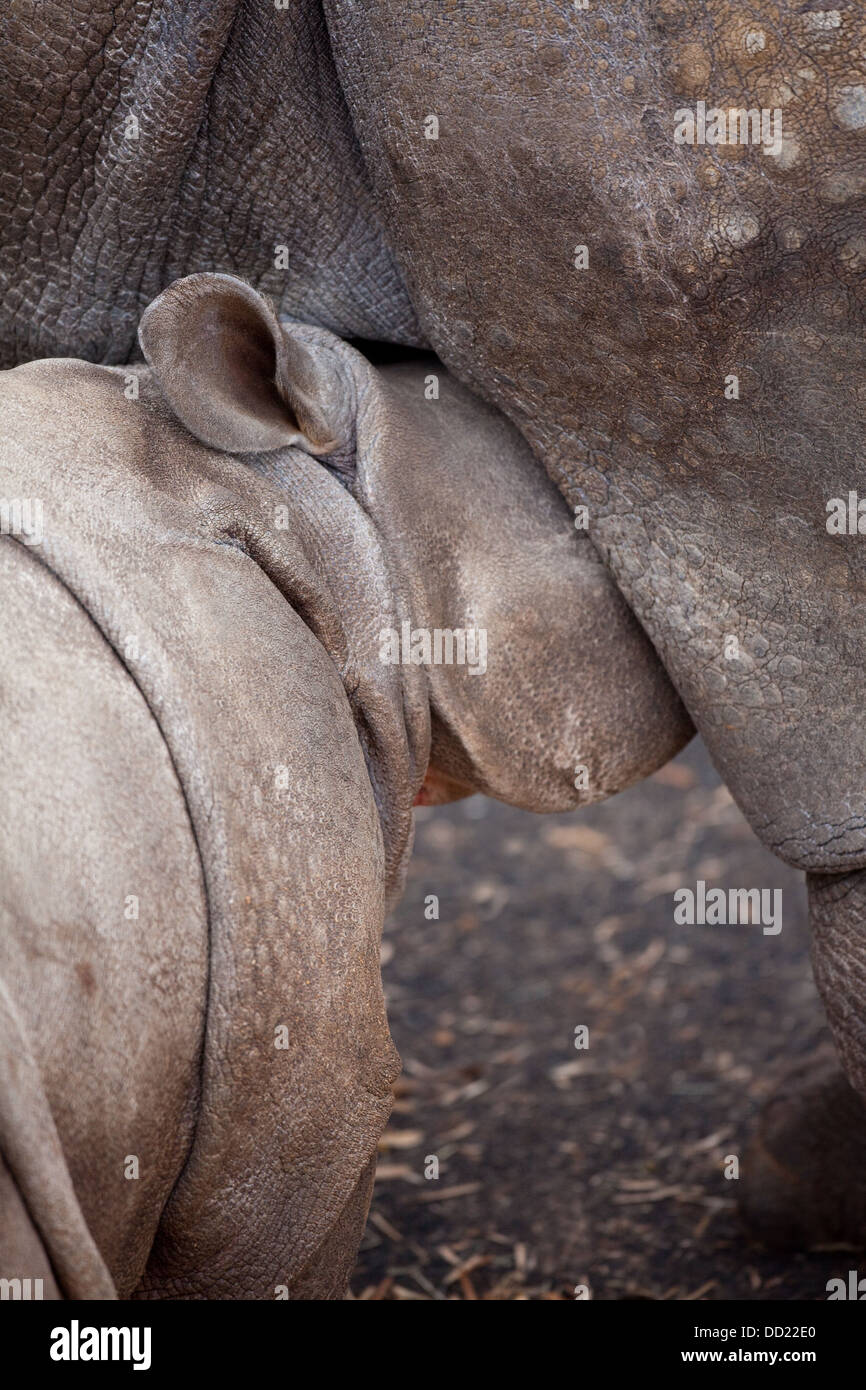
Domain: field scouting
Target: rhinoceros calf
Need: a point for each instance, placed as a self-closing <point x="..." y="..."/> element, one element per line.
<point x="221" y="697"/>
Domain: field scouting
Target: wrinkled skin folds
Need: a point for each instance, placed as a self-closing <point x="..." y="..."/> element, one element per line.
<point x="571" y="264"/>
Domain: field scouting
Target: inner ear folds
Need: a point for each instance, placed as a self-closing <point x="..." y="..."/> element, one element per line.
<point x="233" y="376"/>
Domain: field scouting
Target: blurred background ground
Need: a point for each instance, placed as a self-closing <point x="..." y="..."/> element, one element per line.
<point x="602" y="1167"/>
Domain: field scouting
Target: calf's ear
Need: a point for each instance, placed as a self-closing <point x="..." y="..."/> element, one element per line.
<point x="235" y="377"/>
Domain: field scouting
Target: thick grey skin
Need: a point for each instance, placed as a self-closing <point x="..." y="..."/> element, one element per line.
<point x="244" y="145"/>
<point x="555" y="131"/>
<point x="168" y="649"/>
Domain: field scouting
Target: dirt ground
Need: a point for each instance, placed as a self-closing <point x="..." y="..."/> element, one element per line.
<point x="601" y="1167"/>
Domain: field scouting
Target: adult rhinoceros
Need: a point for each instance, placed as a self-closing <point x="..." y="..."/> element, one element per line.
<point x="673" y="321"/>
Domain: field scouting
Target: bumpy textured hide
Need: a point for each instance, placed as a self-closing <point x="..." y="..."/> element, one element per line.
<point x="837" y="908"/>
<point x="139" y="142"/>
<point x="556" y="130"/>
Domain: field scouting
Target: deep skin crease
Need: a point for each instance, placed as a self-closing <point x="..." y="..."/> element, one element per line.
<point x="555" y="131"/>
<point x="139" y="142"/>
